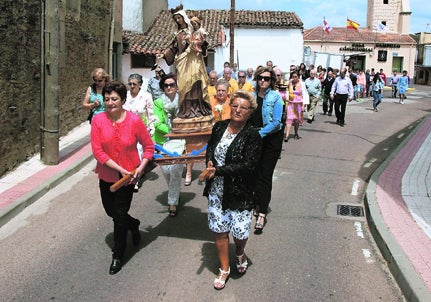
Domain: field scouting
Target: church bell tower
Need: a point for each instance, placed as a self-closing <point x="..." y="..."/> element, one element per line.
<point x="394" y="14"/>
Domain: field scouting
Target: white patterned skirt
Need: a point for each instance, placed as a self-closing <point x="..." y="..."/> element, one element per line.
<point x="236" y="222"/>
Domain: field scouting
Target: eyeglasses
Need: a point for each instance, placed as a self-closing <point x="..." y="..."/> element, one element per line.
<point x="261" y="78"/>
<point x="132" y="84"/>
<point x="98" y="81"/>
<point x="169" y="85"/>
<point x="235" y="108"/>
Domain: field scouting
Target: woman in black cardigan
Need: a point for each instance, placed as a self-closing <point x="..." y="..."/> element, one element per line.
<point x="232" y="156"/>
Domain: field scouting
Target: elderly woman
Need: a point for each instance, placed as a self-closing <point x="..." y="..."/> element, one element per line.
<point x="93" y="98"/>
<point x="114" y="137"/>
<point x="267" y="118"/>
<point x="140" y="102"/>
<point x="232" y="156"/>
<point x="220" y="102"/>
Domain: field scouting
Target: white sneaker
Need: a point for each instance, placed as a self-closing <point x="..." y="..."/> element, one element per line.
<point x="402" y="102"/>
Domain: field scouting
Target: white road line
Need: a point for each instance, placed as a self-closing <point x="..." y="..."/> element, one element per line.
<point x="401" y="135"/>
<point x="368" y="164"/>
<point x="355" y="187"/>
<point x="367" y="255"/>
<point x="358" y="227"/>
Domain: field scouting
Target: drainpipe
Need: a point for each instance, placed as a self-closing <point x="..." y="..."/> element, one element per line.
<point x="49" y="103"/>
<point x="111" y="38"/>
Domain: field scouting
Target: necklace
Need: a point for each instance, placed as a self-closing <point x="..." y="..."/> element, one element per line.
<point x="234" y="133"/>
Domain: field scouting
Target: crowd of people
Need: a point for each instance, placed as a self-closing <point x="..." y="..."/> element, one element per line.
<point x="253" y="112"/>
<point x="259" y="109"/>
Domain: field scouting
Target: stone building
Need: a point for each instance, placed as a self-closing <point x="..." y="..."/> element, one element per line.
<point x="384" y="43"/>
<point x="52" y="47"/>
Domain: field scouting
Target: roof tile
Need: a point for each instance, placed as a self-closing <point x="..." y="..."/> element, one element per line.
<point x="159" y="34"/>
<point x="362" y="35"/>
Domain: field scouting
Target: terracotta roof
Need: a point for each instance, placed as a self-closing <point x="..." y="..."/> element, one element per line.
<point x="159" y="35"/>
<point x="362" y="35"/>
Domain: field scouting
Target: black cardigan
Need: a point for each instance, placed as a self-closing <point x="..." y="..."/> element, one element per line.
<point x="239" y="171"/>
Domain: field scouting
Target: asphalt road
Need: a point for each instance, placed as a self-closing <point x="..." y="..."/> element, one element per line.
<point x="59" y="248"/>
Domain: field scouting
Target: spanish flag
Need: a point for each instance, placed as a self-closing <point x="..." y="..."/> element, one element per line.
<point x="352" y="24"/>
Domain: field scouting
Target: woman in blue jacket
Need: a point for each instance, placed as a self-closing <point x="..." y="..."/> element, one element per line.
<point x="267" y="118"/>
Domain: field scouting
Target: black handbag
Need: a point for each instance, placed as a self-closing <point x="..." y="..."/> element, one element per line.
<point x="90" y="116"/>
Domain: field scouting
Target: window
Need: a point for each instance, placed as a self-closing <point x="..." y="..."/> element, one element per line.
<point x="382" y="56"/>
<point x="143" y="61"/>
<point x="385" y="1"/>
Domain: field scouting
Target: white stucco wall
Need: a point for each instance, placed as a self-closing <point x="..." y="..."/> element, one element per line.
<point x="146" y="73"/>
<point x="132" y="15"/>
<point x="407" y="52"/>
<point x="254" y="47"/>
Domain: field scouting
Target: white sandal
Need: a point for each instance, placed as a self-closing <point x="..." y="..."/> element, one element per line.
<point x="241" y="266"/>
<point x="219" y="283"/>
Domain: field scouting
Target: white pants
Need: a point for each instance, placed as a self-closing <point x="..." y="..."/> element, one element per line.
<point x="173" y="175"/>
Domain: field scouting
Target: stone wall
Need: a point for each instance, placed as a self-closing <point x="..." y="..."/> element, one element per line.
<point x="84" y="37"/>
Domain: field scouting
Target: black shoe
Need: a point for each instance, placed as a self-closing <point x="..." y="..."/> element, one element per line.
<point x="329" y="113"/>
<point x="342" y="124"/>
<point x="115" y="267"/>
<point x="338" y="122"/>
<point x="309" y="121"/>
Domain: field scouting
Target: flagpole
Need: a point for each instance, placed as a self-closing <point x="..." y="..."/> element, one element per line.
<point x="346" y="28"/>
<point x="321" y="43"/>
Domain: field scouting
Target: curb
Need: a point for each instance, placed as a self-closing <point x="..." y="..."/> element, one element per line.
<point x="411" y="284"/>
<point x="9" y="212"/>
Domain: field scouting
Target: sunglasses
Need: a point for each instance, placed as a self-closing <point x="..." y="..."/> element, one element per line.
<point x="132" y="84"/>
<point x="241" y="76"/>
<point x="98" y="81"/>
<point x="261" y="78"/>
<point x="171" y="85"/>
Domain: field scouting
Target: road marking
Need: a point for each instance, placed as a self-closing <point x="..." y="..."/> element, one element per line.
<point x="401" y="135"/>
<point x="367" y="255"/>
<point x="367" y="165"/>
<point x="358" y="227"/>
<point x="355" y="187"/>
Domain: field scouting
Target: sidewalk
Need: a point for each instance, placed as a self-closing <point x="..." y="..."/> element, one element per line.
<point x="32" y="179"/>
<point x="398" y="200"/>
<point x="399" y="212"/>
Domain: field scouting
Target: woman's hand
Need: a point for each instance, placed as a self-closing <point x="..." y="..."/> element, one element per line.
<point x="208" y="173"/>
<point x="211" y="170"/>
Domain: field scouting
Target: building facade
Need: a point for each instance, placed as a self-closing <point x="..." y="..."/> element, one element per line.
<point x="258" y="36"/>
<point x="383" y="44"/>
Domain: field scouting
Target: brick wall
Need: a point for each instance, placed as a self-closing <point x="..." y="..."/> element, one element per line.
<point x="83" y="47"/>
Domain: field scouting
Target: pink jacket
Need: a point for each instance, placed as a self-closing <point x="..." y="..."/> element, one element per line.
<point x="118" y="142"/>
<point x="361" y="80"/>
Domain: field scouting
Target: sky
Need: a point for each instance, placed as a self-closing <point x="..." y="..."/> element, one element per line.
<point x="311" y="12"/>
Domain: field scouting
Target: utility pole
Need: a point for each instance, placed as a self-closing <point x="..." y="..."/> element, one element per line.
<point x="49" y="104"/>
<point x="231" y="30"/>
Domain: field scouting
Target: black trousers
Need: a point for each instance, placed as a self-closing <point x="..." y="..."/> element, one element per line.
<point x="117" y="205"/>
<point x="271" y="149"/>
<point x="340" y="101"/>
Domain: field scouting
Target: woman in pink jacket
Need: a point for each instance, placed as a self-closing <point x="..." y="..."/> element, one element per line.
<point x="114" y="137"/>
